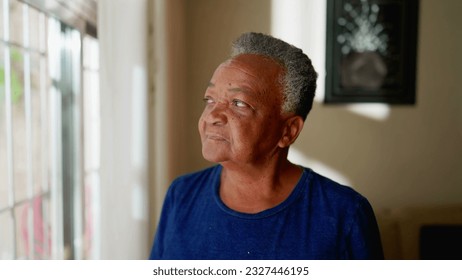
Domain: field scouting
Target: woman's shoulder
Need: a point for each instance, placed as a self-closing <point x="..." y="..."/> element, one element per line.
<point x="333" y="194"/>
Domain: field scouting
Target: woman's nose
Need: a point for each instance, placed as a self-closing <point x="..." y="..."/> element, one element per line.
<point x="217" y="114"/>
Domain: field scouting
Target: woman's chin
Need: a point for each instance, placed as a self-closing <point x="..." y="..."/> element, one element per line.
<point x="214" y="156"/>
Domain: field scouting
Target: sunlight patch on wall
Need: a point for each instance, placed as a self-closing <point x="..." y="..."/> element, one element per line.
<point x="139" y="144"/>
<point x="297" y="157"/>
<point x="379" y="112"/>
<point x="286" y="20"/>
<point x="303" y="24"/>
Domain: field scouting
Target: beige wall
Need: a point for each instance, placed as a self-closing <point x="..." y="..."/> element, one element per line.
<point x="410" y="157"/>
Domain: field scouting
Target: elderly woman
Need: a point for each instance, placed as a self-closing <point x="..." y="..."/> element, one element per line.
<point x="256" y="204"/>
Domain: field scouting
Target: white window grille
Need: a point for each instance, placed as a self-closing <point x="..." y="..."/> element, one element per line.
<point x="43" y="212"/>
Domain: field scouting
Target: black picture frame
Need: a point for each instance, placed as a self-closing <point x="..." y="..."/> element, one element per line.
<point x="371" y="51"/>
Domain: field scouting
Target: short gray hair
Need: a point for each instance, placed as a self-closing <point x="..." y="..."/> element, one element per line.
<point x="299" y="80"/>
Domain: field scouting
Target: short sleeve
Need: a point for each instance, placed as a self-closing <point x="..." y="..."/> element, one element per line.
<point x="364" y="237"/>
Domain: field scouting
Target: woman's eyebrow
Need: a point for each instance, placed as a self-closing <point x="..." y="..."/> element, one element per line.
<point x="242" y="89"/>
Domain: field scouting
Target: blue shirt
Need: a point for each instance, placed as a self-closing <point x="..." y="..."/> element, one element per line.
<point x="320" y="219"/>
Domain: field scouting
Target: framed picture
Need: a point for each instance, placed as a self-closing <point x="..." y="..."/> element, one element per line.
<point x="371" y="51"/>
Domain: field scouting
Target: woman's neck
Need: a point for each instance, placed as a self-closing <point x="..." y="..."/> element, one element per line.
<point x="252" y="189"/>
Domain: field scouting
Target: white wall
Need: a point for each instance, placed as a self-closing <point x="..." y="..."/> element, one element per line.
<point x="396" y="156"/>
<point x="123" y="33"/>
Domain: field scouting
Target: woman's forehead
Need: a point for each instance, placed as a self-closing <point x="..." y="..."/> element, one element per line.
<point x="261" y="69"/>
<point x="251" y="74"/>
<point x="254" y="62"/>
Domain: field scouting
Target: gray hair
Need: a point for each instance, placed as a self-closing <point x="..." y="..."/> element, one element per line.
<point x="299" y="80"/>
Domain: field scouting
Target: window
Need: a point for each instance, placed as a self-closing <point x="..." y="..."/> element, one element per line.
<point x="44" y="213"/>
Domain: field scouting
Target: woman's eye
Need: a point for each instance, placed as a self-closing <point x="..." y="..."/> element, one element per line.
<point x="207" y="100"/>
<point x="240" y="104"/>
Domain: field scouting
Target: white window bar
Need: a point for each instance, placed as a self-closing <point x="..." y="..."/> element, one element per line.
<point x="54" y="46"/>
<point x="91" y="146"/>
<point x="56" y="178"/>
<point x="9" y="128"/>
<point x="44" y="188"/>
<point x="76" y="50"/>
<point x="28" y="115"/>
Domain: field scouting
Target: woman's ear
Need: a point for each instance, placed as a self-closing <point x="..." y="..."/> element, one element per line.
<point x="291" y="130"/>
